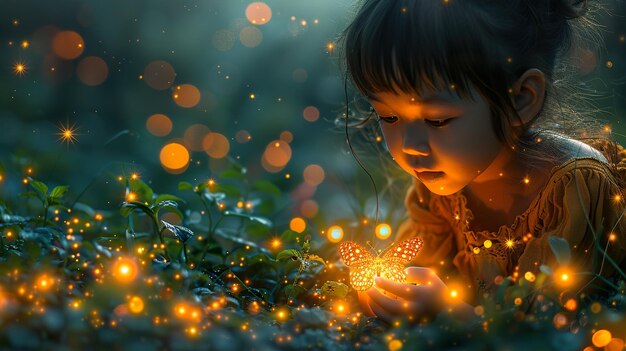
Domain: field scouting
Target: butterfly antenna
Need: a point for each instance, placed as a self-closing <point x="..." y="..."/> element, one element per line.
<point x="345" y="87"/>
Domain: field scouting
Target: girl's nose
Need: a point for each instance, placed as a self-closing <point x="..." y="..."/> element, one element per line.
<point x="415" y="143"/>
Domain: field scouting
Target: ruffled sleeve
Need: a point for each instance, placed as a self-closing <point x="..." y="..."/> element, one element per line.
<point x="582" y="203"/>
<point x="426" y="220"/>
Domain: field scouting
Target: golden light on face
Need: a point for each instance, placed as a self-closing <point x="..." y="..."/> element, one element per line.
<point x="335" y="234"/>
<point x="383" y="231"/>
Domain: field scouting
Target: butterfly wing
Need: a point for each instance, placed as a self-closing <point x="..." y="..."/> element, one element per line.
<point x="393" y="270"/>
<point x="405" y="251"/>
<point x="359" y="260"/>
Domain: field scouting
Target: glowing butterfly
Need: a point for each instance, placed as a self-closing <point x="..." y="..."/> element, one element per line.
<point x="364" y="267"/>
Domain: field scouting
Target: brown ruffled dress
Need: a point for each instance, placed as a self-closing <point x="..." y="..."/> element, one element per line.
<point x="581" y="202"/>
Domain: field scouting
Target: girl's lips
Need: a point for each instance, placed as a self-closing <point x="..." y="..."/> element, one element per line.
<point x="429" y="176"/>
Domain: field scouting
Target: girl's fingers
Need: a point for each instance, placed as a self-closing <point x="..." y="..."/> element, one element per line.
<point x="402" y="290"/>
<point x="421" y="275"/>
<point x="365" y="302"/>
<point x="390" y="305"/>
<point x="381" y="312"/>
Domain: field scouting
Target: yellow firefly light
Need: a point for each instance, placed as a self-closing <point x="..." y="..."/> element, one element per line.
<point x="125" y="270"/>
<point x="136" y="305"/>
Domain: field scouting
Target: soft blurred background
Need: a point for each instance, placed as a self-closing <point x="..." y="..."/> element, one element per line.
<point x="174" y="89"/>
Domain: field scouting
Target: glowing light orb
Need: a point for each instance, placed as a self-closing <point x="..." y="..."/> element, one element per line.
<point x="395" y="345"/>
<point x="67" y="134"/>
<point x="125" y="270"/>
<point x="250" y="37"/>
<point x="174" y="157"/>
<point x="68" y="45"/>
<point x="258" y="13"/>
<point x="311" y="114"/>
<point x="159" y="75"/>
<point x="20" y="68"/>
<point x="136" y="305"/>
<point x="92" y="71"/>
<point x="186" y="95"/>
<point x="335" y="234"/>
<point x="297" y="224"/>
<point x="383" y="231"/>
<point x="216" y="145"/>
<point x="601" y="338"/>
<point x="159" y="124"/>
<point x="313" y="175"/>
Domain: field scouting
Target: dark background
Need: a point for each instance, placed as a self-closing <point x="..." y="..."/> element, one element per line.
<point x="289" y="69"/>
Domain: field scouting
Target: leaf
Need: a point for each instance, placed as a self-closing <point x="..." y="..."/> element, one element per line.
<point x="214" y="197"/>
<point x="168" y="197"/>
<point x="128" y="207"/>
<point x="266" y="187"/>
<point x="232" y="174"/>
<point x="185" y="186"/>
<point x="183" y="234"/>
<point x="257" y="219"/>
<point x="289" y="236"/>
<point x="39" y="186"/>
<point x="288" y="254"/>
<point x="229" y="190"/>
<point x="141" y="189"/>
<point x="162" y="204"/>
<point x="332" y="289"/>
<point x="59" y="191"/>
<point x="315" y="258"/>
<point x="292" y="291"/>
<point x="560" y="248"/>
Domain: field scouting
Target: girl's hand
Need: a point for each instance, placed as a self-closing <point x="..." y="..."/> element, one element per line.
<point x="421" y="298"/>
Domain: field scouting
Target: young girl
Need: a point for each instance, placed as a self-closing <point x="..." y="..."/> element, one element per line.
<point x="467" y="97"/>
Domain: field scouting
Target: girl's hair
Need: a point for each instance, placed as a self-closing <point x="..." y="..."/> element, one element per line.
<point x="417" y="46"/>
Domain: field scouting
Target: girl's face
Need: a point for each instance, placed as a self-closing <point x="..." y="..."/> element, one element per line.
<point x="444" y="141"/>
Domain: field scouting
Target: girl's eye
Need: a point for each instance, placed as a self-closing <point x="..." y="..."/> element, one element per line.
<point x="438" y="123"/>
<point x="388" y="119"/>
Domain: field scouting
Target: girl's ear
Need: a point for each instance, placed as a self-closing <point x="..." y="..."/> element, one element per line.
<point x="529" y="93"/>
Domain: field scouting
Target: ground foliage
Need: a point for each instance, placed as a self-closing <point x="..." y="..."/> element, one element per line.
<point x="209" y="268"/>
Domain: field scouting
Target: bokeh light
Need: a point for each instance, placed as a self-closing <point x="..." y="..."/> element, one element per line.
<point x="194" y="136"/>
<point x="297" y="224"/>
<point x="601" y="338"/>
<point x="136" y="305"/>
<point x="186" y="95"/>
<point x="335" y="234"/>
<point x="258" y="13"/>
<point x="383" y="231"/>
<point x="311" y="113"/>
<point x="243" y="136"/>
<point x="68" y="45"/>
<point x="313" y="174"/>
<point x="216" y="145"/>
<point x="286" y="136"/>
<point x="159" y="75"/>
<point x="92" y="70"/>
<point x="159" y="124"/>
<point x="223" y="39"/>
<point x="250" y="37"/>
<point x="174" y="157"/>
<point x="276" y="155"/>
<point x="124" y="270"/>
<point x="309" y="208"/>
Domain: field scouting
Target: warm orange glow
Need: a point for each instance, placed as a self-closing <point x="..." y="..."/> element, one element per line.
<point x="297" y="224"/>
<point x="243" y="136"/>
<point x="136" y="305"/>
<point x="309" y="208"/>
<point x="311" y="113"/>
<point x="216" y="145"/>
<point x="45" y="282"/>
<point x="335" y="234"/>
<point x="67" y="134"/>
<point x="286" y="136"/>
<point x="313" y="174"/>
<point x="601" y="338"/>
<point x="174" y="157"/>
<point x="159" y="124"/>
<point x="186" y="95"/>
<point x="276" y="156"/>
<point x="159" y="75"/>
<point x="92" y="71"/>
<point x="20" y="68"/>
<point x="258" y="13"/>
<point x="194" y="136"/>
<point x="68" y="45"/>
<point x="276" y="243"/>
<point x="125" y="270"/>
<point x="383" y="231"/>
